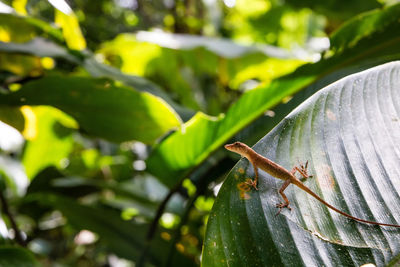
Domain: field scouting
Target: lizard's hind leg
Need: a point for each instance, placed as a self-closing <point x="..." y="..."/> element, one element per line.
<point x="281" y="192"/>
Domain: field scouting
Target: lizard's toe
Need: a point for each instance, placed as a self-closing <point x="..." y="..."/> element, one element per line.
<point x="252" y="183"/>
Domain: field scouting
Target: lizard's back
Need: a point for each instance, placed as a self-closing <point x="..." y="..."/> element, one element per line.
<point x="270" y="167"/>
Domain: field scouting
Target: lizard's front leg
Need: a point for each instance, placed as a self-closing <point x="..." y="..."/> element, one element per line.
<point x="250" y="182"/>
<point x="281" y="192"/>
<point x="302" y="169"/>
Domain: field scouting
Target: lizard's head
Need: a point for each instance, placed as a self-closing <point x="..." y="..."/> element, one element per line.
<point x="238" y="147"/>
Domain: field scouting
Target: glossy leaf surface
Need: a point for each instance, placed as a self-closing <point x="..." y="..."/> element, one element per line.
<point x="349" y="133"/>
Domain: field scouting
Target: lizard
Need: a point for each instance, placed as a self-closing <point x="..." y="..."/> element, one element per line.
<point x="277" y="171"/>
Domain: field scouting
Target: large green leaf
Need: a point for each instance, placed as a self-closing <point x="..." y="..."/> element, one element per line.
<point x="349" y="132"/>
<point x="30" y="41"/>
<point x="17" y="257"/>
<point x="100" y="106"/>
<point x="98" y="69"/>
<point x="45" y="48"/>
<point x="202" y="135"/>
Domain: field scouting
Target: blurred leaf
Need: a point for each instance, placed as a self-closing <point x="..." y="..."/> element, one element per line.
<point x="14" y="28"/>
<point x="46" y="48"/>
<point x="173" y="158"/>
<point x="135" y="57"/>
<point x="222" y="47"/>
<point x="121" y="189"/>
<point x="71" y="30"/>
<point x="337" y="10"/>
<point x="8" y="25"/>
<point x="195" y="60"/>
<point x="20" y="64"/>
<point x="98" y="69"/>
<point x="16" y="256"/>
<point x="126" y="195"/>
<point x="272" y="22"/>
<point x="44" y="181"/>
<point x="348" y="132"/>
<point x="362" y="27"/>
<point x="101" y="107"/>
<point x="25" y="41"/>
<point x="125" y="239"/>
<point x="141" y="193"/>
<point x="253" y="68"/>
<point x="39" y="47"/>
<point x="38" y="154"/>
<point x="21" y="29"/>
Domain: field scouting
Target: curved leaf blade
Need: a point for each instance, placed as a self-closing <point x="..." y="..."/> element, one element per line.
<point x="101" y="107"/>
<point x="361" y="26"/>
<point x="349" y="133"/>
<point x="22" y="43"/>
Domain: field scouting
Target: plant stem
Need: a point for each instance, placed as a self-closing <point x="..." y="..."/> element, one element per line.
<point x="177" y="234"/>
<point x="5" y="208"/>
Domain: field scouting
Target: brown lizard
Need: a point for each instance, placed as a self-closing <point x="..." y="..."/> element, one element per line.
<point x="289" y="177"/>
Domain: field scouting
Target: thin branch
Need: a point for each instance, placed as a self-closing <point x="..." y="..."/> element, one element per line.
<point x="5" y="208"/>
<point x="160" y="211"/>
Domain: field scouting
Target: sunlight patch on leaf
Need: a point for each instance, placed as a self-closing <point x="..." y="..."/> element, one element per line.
<point x="71" y="30"/>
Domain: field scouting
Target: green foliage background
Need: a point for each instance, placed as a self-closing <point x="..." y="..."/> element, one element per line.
<point x="113" y="115"/>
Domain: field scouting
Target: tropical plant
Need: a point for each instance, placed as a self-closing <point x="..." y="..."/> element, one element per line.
<point x="111" y="142"/>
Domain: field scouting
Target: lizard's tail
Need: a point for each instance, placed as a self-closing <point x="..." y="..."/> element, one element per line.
<point x="309" y="191"/>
